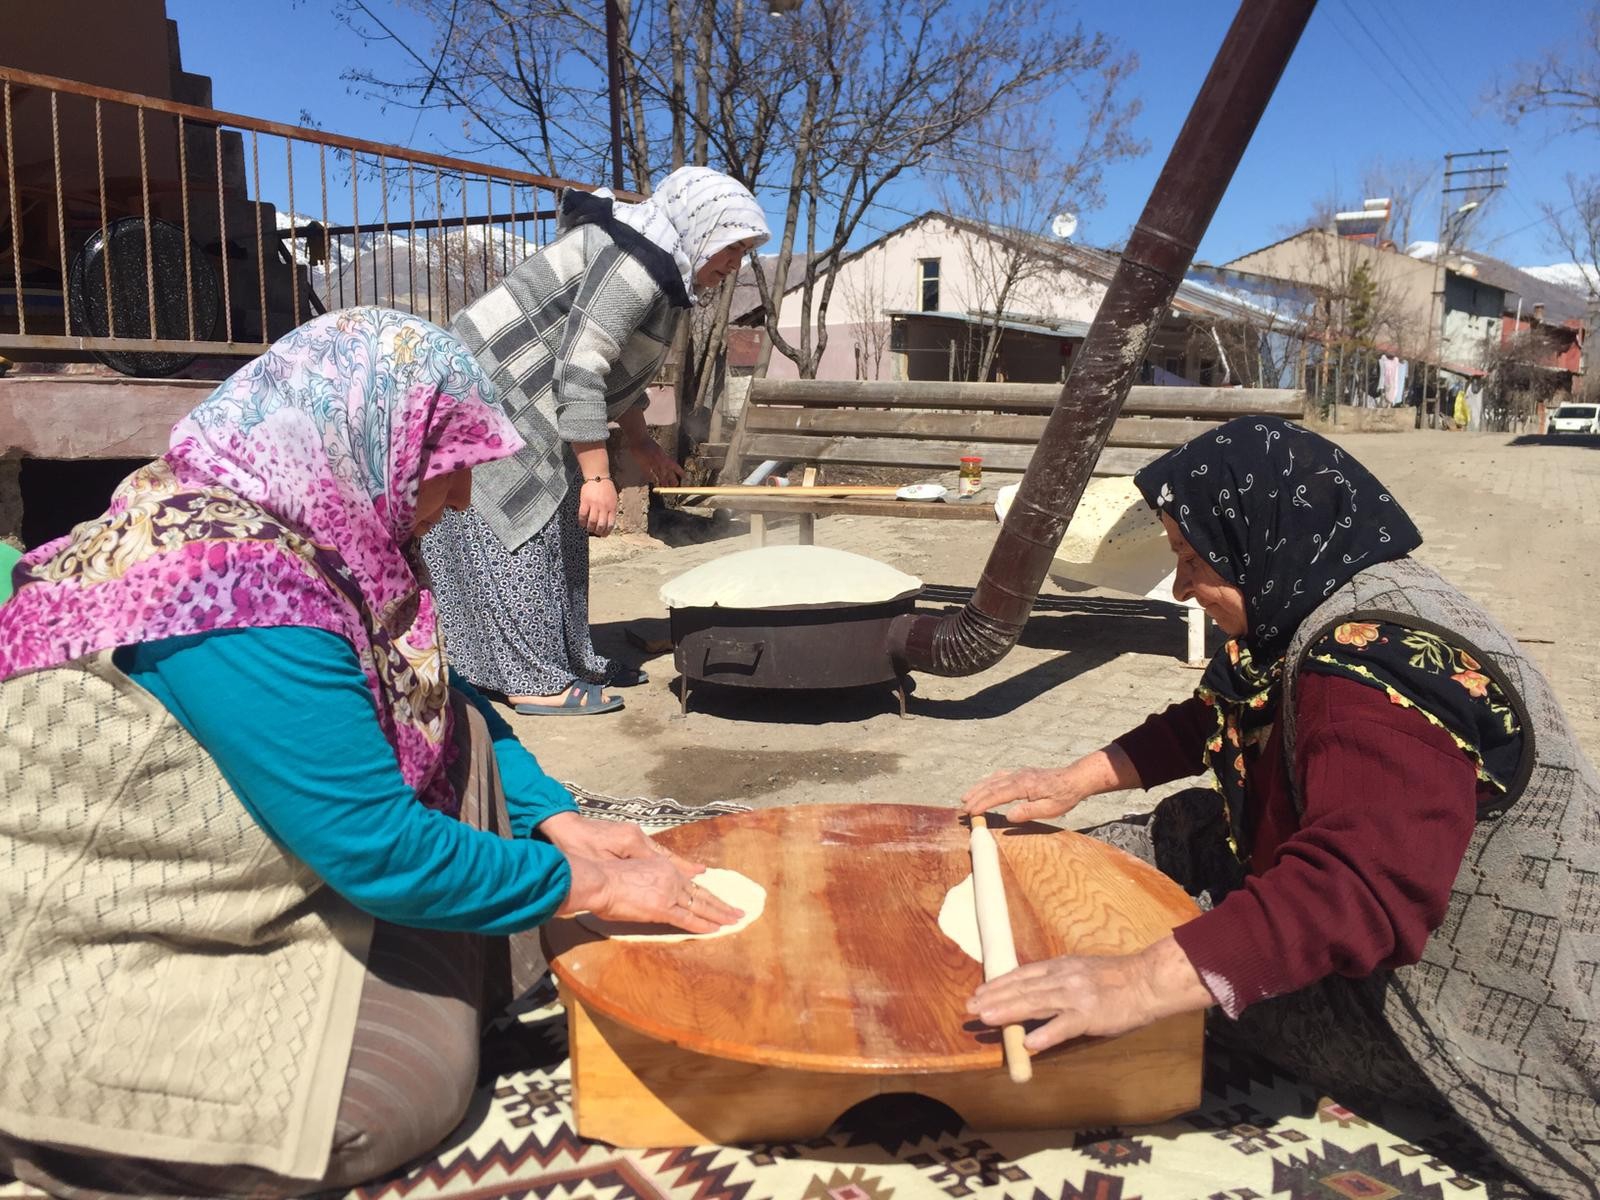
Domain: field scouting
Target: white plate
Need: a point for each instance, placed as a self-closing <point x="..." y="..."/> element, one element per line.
<point x="922" y="491"/>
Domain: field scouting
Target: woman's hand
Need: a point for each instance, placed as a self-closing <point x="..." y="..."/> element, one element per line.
<point x="1034" y="793"/>
<point x="658" y="466"/>
<point x="1092" y="996"/>
<point x="1038" y="793"/>
<point x="597" y="507"/>
<point x="651" y="891"/>
<point x="575" y="834"/>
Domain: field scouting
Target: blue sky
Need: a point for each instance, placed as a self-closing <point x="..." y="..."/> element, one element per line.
<point x="1397" y="79"/>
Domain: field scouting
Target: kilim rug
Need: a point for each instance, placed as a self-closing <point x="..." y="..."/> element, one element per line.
<point x="1257" y="1135"/>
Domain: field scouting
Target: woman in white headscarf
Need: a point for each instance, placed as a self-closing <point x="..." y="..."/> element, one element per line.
<point x="571" y="338"/>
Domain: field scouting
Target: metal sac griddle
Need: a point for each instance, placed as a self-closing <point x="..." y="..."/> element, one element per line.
<point x="807" y="646"/>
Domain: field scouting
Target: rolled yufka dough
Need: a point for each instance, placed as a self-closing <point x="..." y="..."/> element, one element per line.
<point x="728" y="886"/>
<point x="958" y="919"/>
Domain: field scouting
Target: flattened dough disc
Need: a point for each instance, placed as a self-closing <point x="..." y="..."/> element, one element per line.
<point x="738" y="890"/>
<point x="958" y="919"/>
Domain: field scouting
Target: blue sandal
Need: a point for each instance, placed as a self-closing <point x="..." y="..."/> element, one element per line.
<point x="581" y="700"/>
<point x="623" y="676"/>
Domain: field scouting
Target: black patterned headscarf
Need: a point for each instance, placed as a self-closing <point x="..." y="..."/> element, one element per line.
<point x="1287" y="517"/>
<point x="1282" y="514"/>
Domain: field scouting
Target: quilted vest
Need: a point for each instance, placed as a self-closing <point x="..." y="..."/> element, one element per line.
<point x="1501" y="1012"/>
<point x="173" y="985"/>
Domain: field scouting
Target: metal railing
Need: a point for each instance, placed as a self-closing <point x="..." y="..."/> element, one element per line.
<point x="131" y="224"/>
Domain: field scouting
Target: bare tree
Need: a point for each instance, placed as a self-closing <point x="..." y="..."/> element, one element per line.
<point x="1407" y="183"/>
<point x="504" y="68"/>
<point x="1563" y="82"/>
<point x="896" y="89"/>
<point x="1575" y="229"/>
<point x="820" y="109"/>
<point x="1265" y="349"/>
<point x="1520" y="378"/>
<point x="866" y="302"/>
<point x="1012" y="177"/>
<point x="1362" y="310"/>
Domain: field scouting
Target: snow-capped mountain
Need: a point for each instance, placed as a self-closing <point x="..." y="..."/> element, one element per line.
<point x="1568" y="275"/>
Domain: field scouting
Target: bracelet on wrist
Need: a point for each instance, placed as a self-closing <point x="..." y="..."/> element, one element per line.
<point x="596" y="478"/>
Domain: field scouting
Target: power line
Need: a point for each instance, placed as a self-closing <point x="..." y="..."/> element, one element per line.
<point x="1447" y="92"/>
<point x="1437" y="119"/>
<point x="1404" y="75"/>
<point x="1365" y="61"/>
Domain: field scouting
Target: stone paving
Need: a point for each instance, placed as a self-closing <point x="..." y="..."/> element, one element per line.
<point x="1514" y="522"/>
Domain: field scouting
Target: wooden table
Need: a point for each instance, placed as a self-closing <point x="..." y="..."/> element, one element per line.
<point x="845" y="989"/>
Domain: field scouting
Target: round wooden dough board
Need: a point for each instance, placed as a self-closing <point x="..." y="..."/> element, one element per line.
<point x="846" y="971"/>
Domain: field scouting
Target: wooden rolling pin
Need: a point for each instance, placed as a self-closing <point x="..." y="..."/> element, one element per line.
<point x="994" y="934"/>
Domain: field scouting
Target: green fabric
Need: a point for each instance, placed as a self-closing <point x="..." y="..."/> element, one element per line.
<point x="9" y="555"/>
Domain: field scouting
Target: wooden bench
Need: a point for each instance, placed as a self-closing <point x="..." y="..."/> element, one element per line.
<point x="928" y="426"/>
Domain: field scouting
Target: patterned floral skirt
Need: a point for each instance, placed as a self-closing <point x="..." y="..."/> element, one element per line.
<point x="515" y="622"/>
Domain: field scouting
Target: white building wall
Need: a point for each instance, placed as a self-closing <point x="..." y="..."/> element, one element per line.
<point x="888" y="277"/>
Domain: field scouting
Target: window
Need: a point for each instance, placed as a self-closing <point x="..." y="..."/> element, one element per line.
<point x="930" y="284"/>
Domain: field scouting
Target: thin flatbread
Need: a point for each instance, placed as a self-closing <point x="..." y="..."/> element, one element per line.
<point x="958" y="919"/>
<point x="728" y="886"/>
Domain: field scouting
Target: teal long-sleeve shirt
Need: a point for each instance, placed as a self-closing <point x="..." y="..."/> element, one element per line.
<point x="287" y="716"/>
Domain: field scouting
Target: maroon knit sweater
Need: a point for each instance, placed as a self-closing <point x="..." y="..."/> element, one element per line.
<point x="1360" y="880"/>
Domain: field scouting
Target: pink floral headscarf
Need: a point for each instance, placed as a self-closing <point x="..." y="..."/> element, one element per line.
<point x="287" y="497"/>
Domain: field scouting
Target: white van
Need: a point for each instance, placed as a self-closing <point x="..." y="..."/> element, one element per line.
<point x="1574" y="418"/>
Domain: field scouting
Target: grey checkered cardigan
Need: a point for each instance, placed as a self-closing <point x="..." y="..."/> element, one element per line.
<point x="571" y="337"/>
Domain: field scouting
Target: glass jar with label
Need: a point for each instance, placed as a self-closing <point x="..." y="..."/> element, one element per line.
<point x="971" y="478"/>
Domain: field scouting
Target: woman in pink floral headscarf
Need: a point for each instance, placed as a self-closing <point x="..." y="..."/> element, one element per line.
<point x="255" y="829"/>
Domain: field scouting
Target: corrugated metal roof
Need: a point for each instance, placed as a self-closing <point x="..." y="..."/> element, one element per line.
<point x="1193" y="298"/>
<point x="1070" y="329"/>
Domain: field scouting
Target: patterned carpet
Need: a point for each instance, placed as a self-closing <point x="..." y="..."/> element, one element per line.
<point x="1257" y="1135"/>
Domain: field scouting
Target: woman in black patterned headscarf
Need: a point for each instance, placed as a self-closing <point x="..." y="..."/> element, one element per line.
<point x="1400" y="851"/>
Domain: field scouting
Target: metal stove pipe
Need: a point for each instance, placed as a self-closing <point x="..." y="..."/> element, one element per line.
<point x="1197" y="172"/>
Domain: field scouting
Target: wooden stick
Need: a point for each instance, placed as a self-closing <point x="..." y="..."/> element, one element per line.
<point x="994" y="932"/>
<point x="755" y="489"/>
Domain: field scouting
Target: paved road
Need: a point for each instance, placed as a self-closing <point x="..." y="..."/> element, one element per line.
<point x="1515" y="525"/>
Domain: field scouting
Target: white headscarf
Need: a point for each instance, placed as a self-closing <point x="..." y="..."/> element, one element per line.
<point x="694" y="213"/>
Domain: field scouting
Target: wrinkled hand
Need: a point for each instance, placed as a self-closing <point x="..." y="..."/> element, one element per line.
<point x="597" y="507"/>
<point x="658" y="466"/>
<point x="1033" y="791"/>
<point x="575" y="834"/>
<point x="650" y="891"/>
<point x="1092" y="996"/>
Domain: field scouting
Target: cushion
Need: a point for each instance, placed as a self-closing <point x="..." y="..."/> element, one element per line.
<point x="789" y="577"/>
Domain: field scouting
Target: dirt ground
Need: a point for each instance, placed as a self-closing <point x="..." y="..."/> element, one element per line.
<point x="1513" y="522"/>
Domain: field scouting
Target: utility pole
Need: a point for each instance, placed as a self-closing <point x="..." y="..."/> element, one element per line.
<point x="1475" y="184"/>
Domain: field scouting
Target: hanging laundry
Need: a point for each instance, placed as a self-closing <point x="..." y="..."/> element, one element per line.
<point x="1475" y="406"/>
